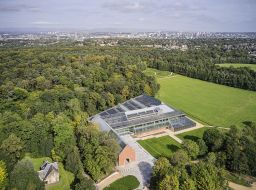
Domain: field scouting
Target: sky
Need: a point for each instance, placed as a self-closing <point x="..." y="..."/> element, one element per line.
<point x="130" y="15"/>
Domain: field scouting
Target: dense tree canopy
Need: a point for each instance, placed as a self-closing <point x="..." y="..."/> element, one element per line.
<point x="229" y="150"/>
<point x="24" y="176"/>
<point x="47" y="95"/>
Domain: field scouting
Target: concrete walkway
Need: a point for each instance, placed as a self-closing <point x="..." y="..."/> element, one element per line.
<point x="108" y="180"/>
<point x="172" y="135"/>
<point x="142" y="167"/>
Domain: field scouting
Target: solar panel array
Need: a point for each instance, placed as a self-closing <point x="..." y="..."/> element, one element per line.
<point x="141" y="114"/>
<point x="140" y="120"/>
<point x="132" y="104"/>
<point x="148" y="100"/>
<point x="120" y="118"/>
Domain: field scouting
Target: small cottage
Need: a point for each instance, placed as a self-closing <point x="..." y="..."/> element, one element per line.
<point x="49" y="172"/>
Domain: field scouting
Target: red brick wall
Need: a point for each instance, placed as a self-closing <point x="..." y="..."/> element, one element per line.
<point x="127" y="152"/>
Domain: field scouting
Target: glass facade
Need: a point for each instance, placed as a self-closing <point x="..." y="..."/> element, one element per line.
<point x="175" y="124"/>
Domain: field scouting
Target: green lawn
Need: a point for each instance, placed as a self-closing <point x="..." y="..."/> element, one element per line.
<point x="66" y="177"/>
<point x="37" y="162"/>
<point x="162" y="146"/>
<point x="194" y="134"/>
<point x="237" y="65"/>
<point x="126" y="183"/>
<point x="211" y="103"/>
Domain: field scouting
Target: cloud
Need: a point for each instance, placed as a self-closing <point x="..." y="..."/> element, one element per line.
<point x="43" y="23"/>
<point x="128" y="6"/>
<point x="18" y="8"/>
<point x="141" y="19"/>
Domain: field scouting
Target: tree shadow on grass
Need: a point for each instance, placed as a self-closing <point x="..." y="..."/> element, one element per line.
<point x="248" y="123"/>
<point x="172" y="147"/>
<point x="191" y="137"/>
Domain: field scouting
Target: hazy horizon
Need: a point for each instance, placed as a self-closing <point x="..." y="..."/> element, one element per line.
<point x="129" y="16"/>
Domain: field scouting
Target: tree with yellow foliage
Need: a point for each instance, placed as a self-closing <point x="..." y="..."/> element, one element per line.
<point x="3" y="175"/>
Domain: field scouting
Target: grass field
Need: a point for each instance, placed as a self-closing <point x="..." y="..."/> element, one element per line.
<point x="194" y="134"/>
<point x="155" y="72"/>
<point x="211" y="103"/>
<point x="126" y="183"/>
<point x="66" y="178"/>
<point x="162" y="146"/>
<point x="237" y="65"/>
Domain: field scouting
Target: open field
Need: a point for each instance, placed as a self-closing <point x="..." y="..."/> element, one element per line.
<point x="237" y="65"/>
<point x="162" y="146"/>
<point x="126" y="183"/>
<point x="207" y="102"/>
<point x="66" y="177"/>
<point x="157" y="73"/>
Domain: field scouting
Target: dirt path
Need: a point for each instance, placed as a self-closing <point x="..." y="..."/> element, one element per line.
<point x="241" y="187"/>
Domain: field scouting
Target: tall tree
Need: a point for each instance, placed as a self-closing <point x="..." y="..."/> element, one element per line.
<point x="213" y="139"/>
<point x="23" y="176"/>
<point x="63" y="135"/>
<point x="191" y="148"/>
<point x="207" y="176"/>
<point x="3" y="175"/>
<point x="11" y="150"/>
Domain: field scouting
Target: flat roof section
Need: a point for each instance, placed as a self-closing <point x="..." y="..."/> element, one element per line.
<point x="136" y="111"/>
<point x="147" y="100"/>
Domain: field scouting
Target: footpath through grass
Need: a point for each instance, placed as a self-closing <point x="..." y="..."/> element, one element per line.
<point x="162" y="146"/>
<point x="126" y="183"/>
<point x="214" y="104"/>
<point x="237" y="65"/>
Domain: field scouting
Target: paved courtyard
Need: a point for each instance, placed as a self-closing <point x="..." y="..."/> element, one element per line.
<point x="142" y="167"/>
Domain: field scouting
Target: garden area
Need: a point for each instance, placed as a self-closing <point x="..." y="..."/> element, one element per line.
<point x="162" y="146"/>
<point x="126" y="183"/>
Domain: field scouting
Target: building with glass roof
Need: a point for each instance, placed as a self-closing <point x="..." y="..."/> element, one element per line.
<point x="139" y="115"/>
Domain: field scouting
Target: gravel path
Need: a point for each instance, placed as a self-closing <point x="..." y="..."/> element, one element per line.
<point x="241" y="187"/>
<point x="142" y="167"/>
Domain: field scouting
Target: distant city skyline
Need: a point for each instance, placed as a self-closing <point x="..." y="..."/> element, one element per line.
<point x="130" y="16"/>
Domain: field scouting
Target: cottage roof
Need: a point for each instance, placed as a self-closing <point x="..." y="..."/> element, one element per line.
<point x="46" y="169"/>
